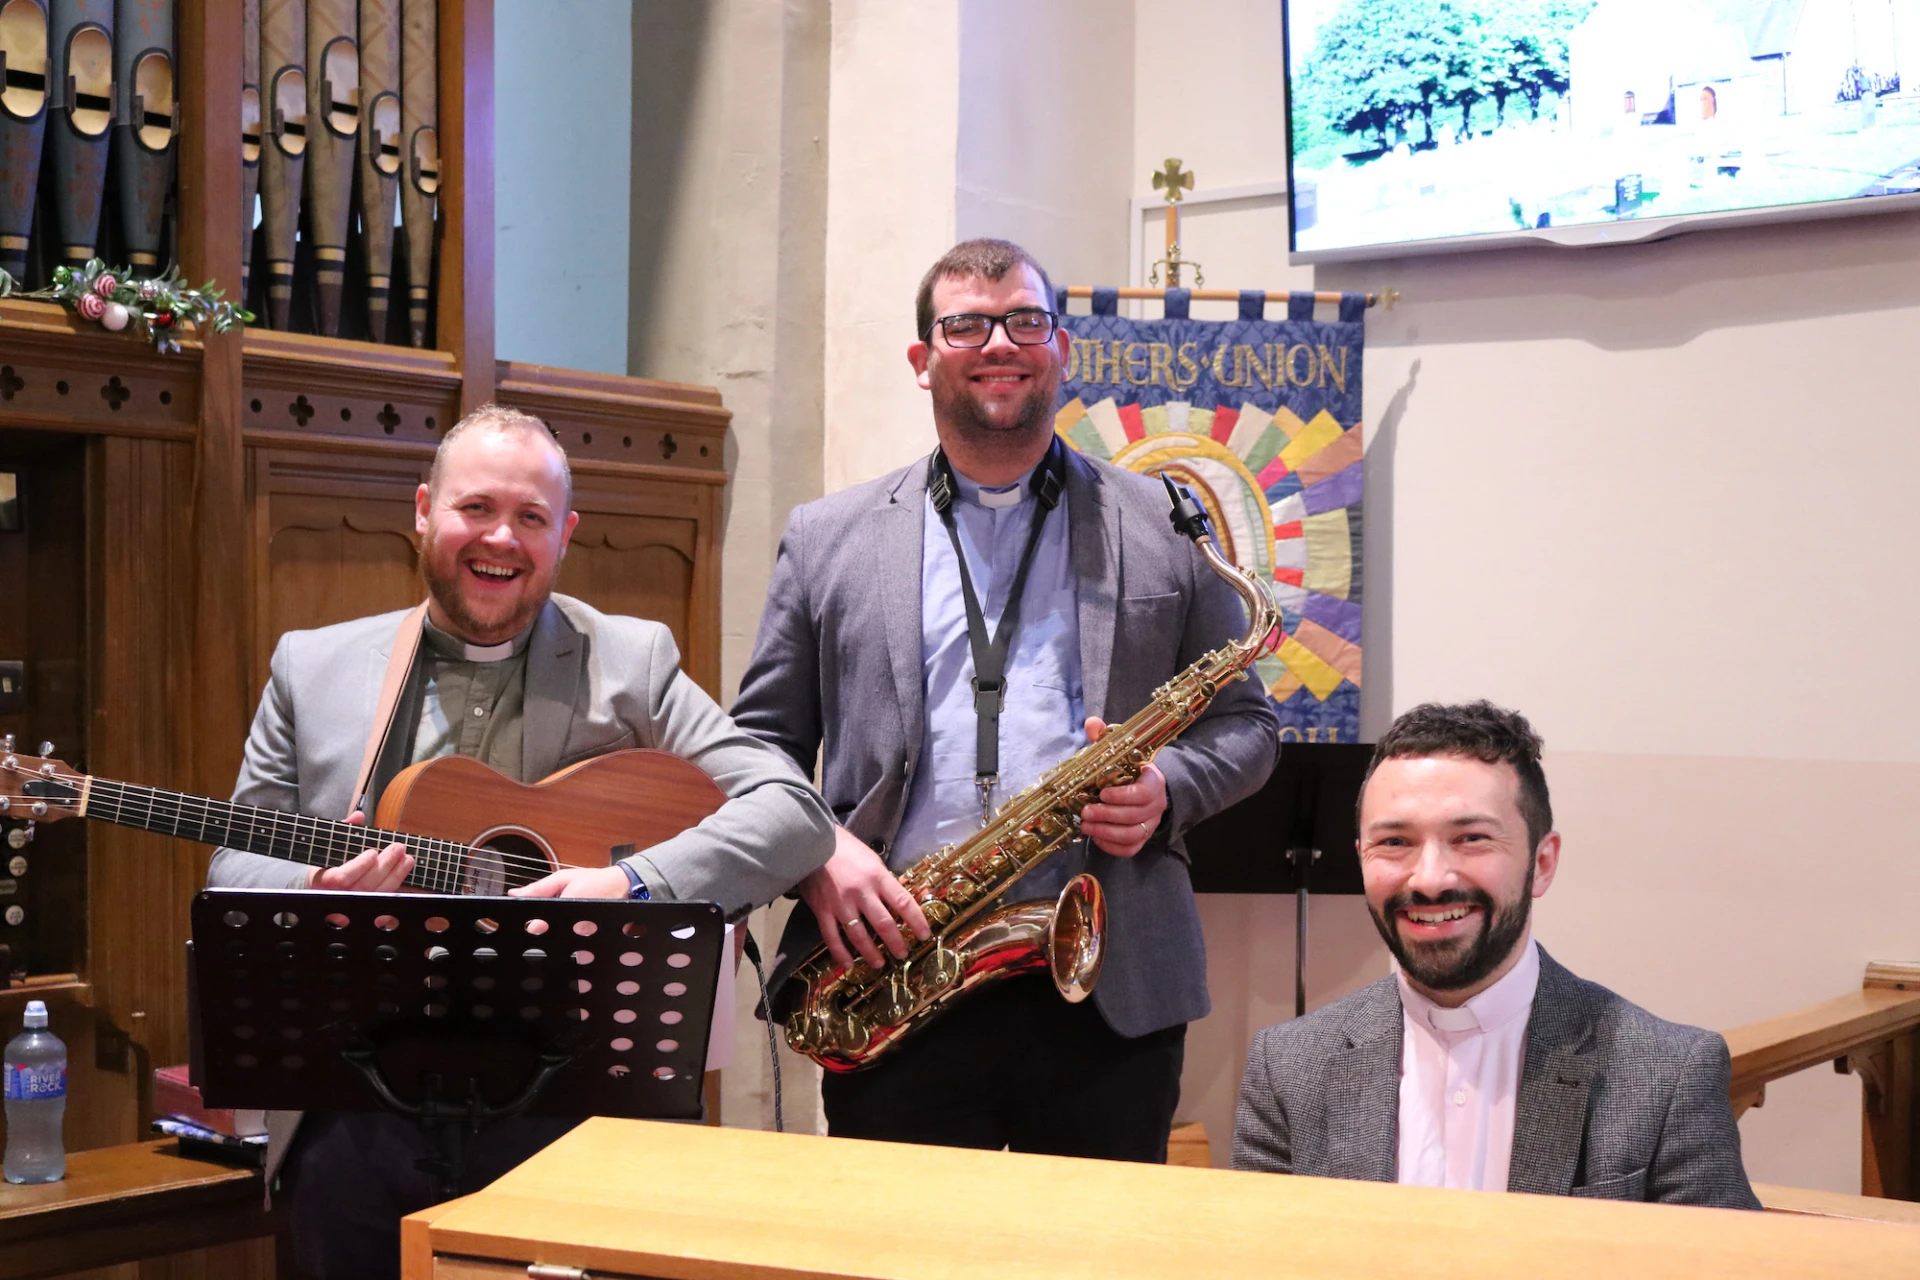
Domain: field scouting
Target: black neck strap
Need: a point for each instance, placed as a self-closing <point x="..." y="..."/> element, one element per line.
<point x="990" y="655"/>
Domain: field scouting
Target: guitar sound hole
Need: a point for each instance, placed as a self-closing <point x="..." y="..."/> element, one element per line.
<point x="506" y="861"/>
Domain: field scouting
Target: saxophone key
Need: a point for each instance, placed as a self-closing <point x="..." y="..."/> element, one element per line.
<point x="807" y="1032"/>
<point x="850" y="1033"/>
<point x="897" y="1003"/>
<point x="960" y="890"/>
<point x="936" y="911"/>
<point x="934" y="972"/>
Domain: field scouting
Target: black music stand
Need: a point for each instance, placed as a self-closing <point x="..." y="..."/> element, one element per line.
<point x="455" y="1012"/>
<point x="1306" y="814"/>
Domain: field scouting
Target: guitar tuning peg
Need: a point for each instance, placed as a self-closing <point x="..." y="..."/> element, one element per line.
<point x="46" y="748"/>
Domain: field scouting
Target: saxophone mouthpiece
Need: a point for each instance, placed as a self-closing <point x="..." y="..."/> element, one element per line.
<point x="1188" y="516"/>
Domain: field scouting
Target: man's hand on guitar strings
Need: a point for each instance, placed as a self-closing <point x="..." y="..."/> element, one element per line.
<point x="375" y="871"/>
<point x="577" y="882"/>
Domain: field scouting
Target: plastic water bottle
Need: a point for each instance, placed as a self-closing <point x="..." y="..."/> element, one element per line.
<point x="36" y="1071"/>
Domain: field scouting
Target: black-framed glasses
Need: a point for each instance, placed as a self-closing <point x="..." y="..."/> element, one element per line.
<point x="1027" y="327"/>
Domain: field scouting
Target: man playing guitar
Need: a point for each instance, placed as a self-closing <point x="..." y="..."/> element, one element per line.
<point x="526" y="682"/>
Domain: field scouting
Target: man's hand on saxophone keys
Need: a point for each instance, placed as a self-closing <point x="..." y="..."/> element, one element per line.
<point x="1124" y="818"/>
<point x="858" y="901"/>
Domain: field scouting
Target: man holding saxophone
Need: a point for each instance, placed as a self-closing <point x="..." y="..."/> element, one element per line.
<point x="949" y="633"/>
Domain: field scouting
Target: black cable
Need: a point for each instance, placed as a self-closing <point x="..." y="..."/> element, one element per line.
<point x="773" y="1041"/>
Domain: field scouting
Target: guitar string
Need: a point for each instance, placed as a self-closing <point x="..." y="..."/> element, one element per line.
<point x="438" y="862"/>
<point x="441" y="857"/>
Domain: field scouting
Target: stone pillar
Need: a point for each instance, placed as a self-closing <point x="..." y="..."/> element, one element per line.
<point x="893" y="135"/>
<point x="725" y="286"/>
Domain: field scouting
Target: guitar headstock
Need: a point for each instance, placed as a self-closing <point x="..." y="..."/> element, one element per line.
<point x="37" y="788"/>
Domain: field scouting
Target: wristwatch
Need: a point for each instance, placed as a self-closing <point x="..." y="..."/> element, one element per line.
<point x="637" y="890"/>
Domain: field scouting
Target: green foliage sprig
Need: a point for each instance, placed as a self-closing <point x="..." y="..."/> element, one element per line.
<point x="154" y="309"/>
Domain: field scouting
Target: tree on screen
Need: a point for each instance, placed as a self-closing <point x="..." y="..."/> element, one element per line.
<point x="1527" y="42"/>
<point x="1378" y="65"/>
<point x="1383" y="67"/>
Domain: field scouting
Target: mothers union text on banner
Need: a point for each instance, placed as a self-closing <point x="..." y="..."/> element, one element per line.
<point x="1261" y="419"/>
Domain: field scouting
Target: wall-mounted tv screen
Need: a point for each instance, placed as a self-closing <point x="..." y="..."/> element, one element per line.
<point x="1419" y="125"/>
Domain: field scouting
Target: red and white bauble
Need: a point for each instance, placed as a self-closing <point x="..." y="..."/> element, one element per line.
<point x="91" y="306"/>
<point x="104" y="284"/>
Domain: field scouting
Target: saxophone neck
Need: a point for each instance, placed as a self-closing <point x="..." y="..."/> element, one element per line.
<point x="1263" y="615"/>
<point x="1190" y="520"/>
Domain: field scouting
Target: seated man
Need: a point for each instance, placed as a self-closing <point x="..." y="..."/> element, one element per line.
<point x="1480" y="1063"/>
<point x="525" y="680"/>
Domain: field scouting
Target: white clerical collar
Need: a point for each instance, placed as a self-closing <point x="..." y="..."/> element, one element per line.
<point x="1509" y="998"/>
<point x="999" y="496"/>
<point x="452" y="646"/>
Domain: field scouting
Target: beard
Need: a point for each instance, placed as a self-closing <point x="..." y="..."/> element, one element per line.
<point x="1455" y="964"/>
<point x="447" y="583"/>
<point x="1033" y="417"/>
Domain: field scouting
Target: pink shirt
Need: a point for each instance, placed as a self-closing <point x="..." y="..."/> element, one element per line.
<point x="1459" y="1079"/>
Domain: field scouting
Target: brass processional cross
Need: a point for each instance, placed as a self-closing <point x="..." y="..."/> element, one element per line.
<point x="1175" y="181"/>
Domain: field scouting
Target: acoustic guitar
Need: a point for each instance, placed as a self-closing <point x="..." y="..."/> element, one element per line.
<point x="469" y="828"/>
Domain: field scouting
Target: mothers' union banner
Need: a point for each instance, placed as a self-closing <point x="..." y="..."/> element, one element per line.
<point x="1261" y="419"/>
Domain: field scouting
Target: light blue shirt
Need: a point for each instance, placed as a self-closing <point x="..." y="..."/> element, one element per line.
<point x="1042" y="720"/>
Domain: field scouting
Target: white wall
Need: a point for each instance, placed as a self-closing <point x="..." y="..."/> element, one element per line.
<point x="1046" y="131"/>
<point x="562" y="85"/>
<point x="1657" y="497"/>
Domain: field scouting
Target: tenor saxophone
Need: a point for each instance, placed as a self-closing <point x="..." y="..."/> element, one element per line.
<point x="844" y="1019"/>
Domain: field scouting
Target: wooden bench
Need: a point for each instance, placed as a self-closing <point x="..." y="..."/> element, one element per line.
<point x="121" y="1204"/>
<point x="1873" y="1032"/>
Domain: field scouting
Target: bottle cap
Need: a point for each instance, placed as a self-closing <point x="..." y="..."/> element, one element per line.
<point x="36" y="1014"/>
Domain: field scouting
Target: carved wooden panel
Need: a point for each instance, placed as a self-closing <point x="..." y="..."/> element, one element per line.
<point x="333" y="540"/>
<point x="639" y="565"/>
<point x="59" y="372"/>
<point x="635" y="422"/>
<point x="139" y="884"/>
<point x="649" y="547"/>
<point x="299" y="388"/>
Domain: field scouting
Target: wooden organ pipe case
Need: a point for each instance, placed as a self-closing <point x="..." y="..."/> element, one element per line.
<point x="183" y="510"/>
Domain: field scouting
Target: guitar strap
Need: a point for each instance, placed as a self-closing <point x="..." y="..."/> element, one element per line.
<point x="406" y="644"/>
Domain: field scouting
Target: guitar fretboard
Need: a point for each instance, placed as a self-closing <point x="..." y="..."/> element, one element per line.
<point x="439" y="866"/>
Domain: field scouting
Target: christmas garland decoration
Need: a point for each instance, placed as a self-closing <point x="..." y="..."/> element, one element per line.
<point x="154" y="309"/>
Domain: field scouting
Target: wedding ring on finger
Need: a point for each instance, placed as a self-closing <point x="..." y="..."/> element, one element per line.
<point x="848" y="924"/>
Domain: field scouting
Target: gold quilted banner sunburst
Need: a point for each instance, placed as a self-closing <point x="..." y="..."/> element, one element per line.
<point x="1261" y="419"/>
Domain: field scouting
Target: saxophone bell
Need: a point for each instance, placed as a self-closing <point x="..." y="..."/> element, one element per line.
<point x="1077" y="938"/>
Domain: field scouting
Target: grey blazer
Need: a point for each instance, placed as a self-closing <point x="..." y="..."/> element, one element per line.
<point x="838" y="663"/>
<point x="595" y="683"/>
<point x="1614" y="1103"/>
